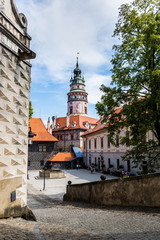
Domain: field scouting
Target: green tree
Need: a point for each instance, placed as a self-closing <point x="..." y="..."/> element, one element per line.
<point x="30" y="110"/>
<point x="136" y="82"/>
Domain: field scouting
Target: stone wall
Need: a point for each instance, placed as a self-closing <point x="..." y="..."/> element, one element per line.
<point x="10" y="197"/>
<point x="135" y="191"/>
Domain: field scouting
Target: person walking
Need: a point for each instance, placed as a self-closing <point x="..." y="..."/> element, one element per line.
<point x="91" y="168"/>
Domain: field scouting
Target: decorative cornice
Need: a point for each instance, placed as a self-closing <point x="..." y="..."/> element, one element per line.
<point x="10" y="36"/>
<point x="13" y="52"/>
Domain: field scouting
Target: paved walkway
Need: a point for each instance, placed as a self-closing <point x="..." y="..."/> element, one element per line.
<point x="57" y="220"/>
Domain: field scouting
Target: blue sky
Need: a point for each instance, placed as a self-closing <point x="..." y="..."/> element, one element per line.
<point x="59" y="29"/>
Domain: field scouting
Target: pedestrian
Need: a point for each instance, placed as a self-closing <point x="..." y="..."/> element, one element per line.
<point x="123" y="173"/>
<point x="91" y="169"/>
<point x="77" y="166"/>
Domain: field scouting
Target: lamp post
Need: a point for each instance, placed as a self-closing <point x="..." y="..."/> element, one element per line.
<point x="30" y="135"/>
<point x="44" y="179"/>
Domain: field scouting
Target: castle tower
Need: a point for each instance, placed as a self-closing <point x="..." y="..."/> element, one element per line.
<point x="77" y="97"/>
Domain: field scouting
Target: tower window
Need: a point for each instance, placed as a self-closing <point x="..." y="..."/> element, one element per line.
<point x="85" y="110"/>
<point x="71" y="110"/>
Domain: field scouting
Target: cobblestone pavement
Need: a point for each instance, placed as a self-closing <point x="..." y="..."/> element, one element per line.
<point x="58" y="220"/>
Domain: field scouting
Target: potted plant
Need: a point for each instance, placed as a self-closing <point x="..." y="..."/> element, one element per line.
<point x="111" y="166"/>
<point x="102" y="177"/>
<point x="121" y="167"/>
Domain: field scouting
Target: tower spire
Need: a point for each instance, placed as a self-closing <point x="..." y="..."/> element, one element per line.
<point x="77" y="65"/>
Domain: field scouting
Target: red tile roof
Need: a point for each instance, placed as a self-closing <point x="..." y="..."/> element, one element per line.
<point x="118" y="110"/>
<point x="75" y="122"/>
<point x="37" y="127"/>
<point x="62" y="157"/>
<point x="100" y="125"/>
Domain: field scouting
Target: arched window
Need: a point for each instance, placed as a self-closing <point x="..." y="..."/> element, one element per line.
<point x="85" y="110"/>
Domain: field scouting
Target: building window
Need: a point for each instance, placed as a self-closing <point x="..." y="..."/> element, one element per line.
<point x="117" y="164"/>
<point x="85" y="110"/>
<point x="13" y="196"/>
<point x="72" y="136"/>
<point x="95" y="161"/>
<point x="101" y="142"/>
<point x="71" y="110"/>
<point x="95" y="143"/>
<point x="29" y="163"/>
<point x="61" y="137"/>
<point x="109" y="162"/>
<point x="42" y="163"/>
<point x="109" y="141"/>
<point x="117" y="140"/>
<point x="42" y="148"/>
<point x="89" y="144"/>
<point x="128" y="166"/>
<point x="127" y="138"/>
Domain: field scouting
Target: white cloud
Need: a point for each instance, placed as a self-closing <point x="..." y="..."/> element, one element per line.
<point x="61" y="28"/>
<point x="93" y="84"/>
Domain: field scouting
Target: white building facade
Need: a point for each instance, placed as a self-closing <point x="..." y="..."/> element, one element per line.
<point x="98" y="150"/>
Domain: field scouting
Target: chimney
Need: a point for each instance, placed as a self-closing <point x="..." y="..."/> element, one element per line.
<point x="67" y="120"/>
<point x="48" y="125"/>
<point x="53" y="122"/>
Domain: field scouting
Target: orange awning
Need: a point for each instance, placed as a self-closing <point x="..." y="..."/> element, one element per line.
<point x="62" y="157"/>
